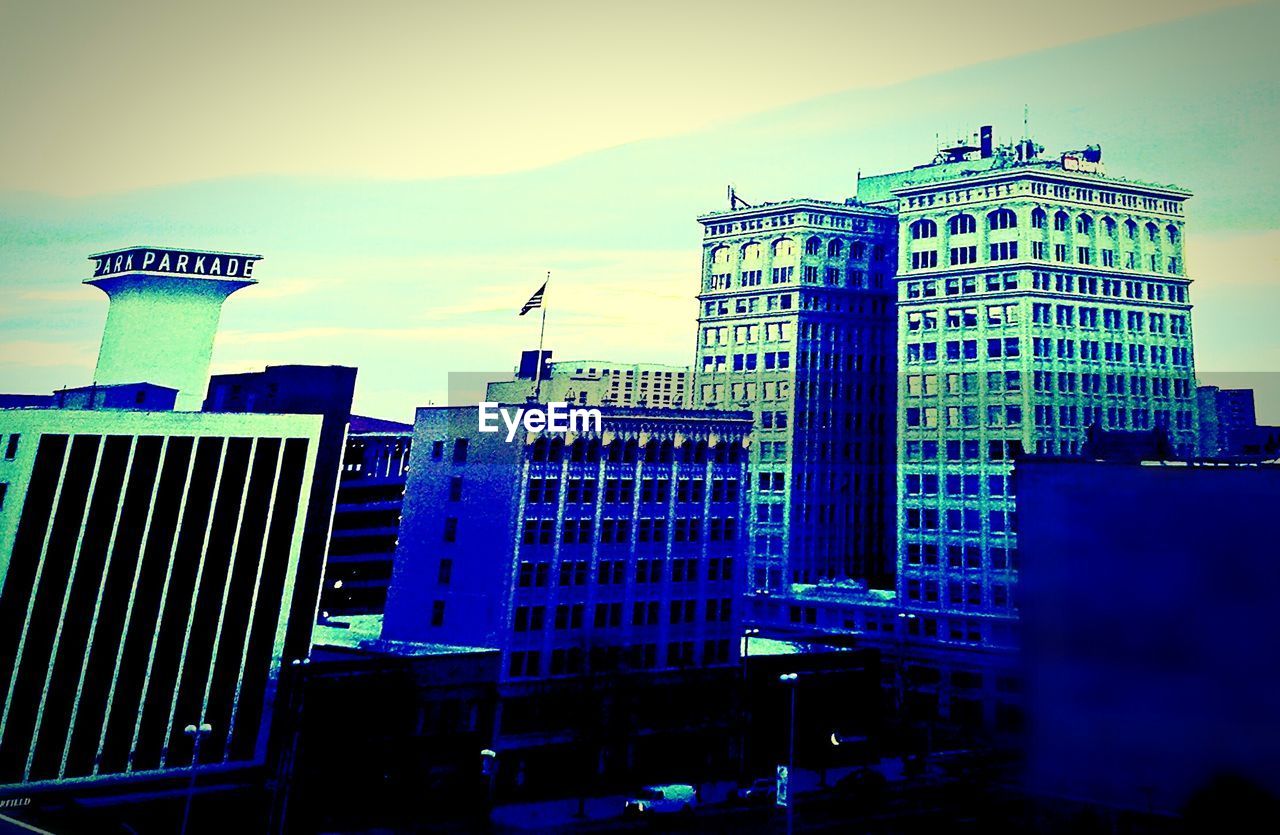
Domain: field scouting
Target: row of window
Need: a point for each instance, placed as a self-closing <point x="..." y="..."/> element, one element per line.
<point x="618" y="531"/>
<point x="1043" y="347"/>
<point x="530" y="574"/>
<point x="1160" y="291"/>
<point x="966" y="224"/>
<point x="643" y="613"/>
<point x="1047" y="382"/>
<point x="623" y="490"/>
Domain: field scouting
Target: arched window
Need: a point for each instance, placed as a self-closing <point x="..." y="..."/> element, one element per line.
<point x="924" y="228"/>
<point x="1002" y="219"/>
<point x="1153" y="232"/>
<point x="1038" y="218"/>
<point x="1084" y="225"/>
<point x="720" y="256"/>
<point x="813" y="246"/>
<point x="1061" y="221"/>
<point x="1109" y="227"/>
<point x="1172" y="232"/>
<point x="1130" y="229"/>
<point x="783" y="248"/>
<point x="962" y="225"/>
<point x="857" y="249"/>
<point x="751" y="251"/>
<point x="835" y="248"/>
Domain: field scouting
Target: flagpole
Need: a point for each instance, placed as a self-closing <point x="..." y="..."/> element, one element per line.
<point x="542" y="332"/>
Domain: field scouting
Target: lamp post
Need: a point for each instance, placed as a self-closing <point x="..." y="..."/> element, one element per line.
<point x="746" y="702"/>
<point x="790" y="680"/>
<point x="196" y="732"/>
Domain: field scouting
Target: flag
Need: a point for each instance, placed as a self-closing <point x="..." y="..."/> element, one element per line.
<point x="535" y="301"/>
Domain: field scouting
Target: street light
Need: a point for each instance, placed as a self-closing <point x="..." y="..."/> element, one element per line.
<point x="790" y="679"/>
<point x="745" y="648"/>
<point x="197" y="732"/>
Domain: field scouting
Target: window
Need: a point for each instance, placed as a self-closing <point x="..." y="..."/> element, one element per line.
<point x="1084" y="225"/>
<point x="964" y="254"/>
<point x="460" y="451"/>
<point x="924" y="260"/>
<point x="437" y="450"/>
<point x="1060" y="221"/>
<point x="1037" y="218"/>
<point x="451" y="529"/>
<point x="835" y="248"/>
<point x="437" y="613"/>
<point x="1002" y="219"/>
<point x="445" y="573"/>
<point x="813" y="246"/>
<point x="1004" y="251"/>
<point x="924" y="228"/>
<point x="962" y="225"/>
<point x="455" y="488"/>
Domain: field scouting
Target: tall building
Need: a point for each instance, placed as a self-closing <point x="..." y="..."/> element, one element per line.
<point x="599" y="383"/>
<point x="148" y="558"/>
<point x="610" y="550"/>
<point x="325" y="390"/>
<point x="366" y="521"/>
<point x="1037" y="297"/>
<point x="796" y="325"/>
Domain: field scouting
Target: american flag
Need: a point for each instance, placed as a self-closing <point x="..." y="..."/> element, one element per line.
<point x="535" y="301"/>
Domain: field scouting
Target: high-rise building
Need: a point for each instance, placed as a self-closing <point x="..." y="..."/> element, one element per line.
<point x="148" y="558"/>
<point x="1037" y="297"/>
<point x="600" y="550"/>
<point x="598" y="383"/>
<point x="796" y="325"/>
<point x="325" y="390"/>
<point x="149" y="561"/>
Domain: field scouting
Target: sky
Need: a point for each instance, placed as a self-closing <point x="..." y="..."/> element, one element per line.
<point x="410" y="171"/>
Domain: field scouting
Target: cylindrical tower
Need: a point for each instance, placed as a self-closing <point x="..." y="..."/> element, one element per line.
<point x="163" y="316"/>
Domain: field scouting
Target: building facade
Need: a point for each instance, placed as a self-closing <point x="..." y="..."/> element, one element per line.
<point x="600" y="383"/>
<point x="796" y="325"/>
<point x="610" y="550"/>
<point x="1036" y="298"/>
<point x="366" y="520"/>
<point x="148" y="561"/>
<point x="325" y="390"/>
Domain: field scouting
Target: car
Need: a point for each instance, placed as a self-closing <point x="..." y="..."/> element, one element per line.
<point x="762" y="791"/>
<point x="663" y="799"/>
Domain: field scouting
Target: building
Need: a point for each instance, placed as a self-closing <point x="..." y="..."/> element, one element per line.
<point x="605" y="566"/>
<point x="598" y="383"/>
<point x="1148" y="649"/>
<point x="148" y="557"/>
<point x="611" y="549"/>
<point x="1228" y="425"/>
<point x="366" y="521"/>
<point x="796" y="325"/>
<point x="384" y="733"/>
<point x="325" y="390"/>
<point x="1037" y="297"/>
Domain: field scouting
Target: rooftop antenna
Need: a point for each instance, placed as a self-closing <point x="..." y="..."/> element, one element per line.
<point x="735" y="201"/>
<point x="1026" y="121"/>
